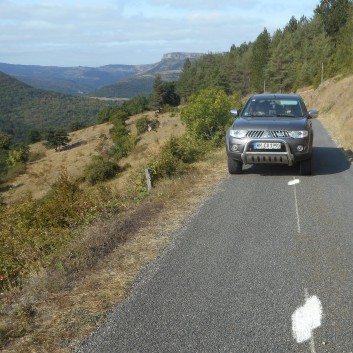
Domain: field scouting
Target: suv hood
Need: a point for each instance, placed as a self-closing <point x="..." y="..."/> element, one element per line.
<point x="270" y="123"/>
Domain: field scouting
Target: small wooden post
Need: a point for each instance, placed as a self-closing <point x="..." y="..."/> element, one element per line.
<point x="148" y="180"/>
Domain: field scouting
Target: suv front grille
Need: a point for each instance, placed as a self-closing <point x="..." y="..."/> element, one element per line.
<point x="267" y="134"/>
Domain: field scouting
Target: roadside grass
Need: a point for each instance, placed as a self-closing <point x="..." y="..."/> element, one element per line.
<point x="87" y="270"/>
<point x="59" y="306"/>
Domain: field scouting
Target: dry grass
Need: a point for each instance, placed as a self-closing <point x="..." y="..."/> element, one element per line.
<point x="334" y="100"/>
<point x="63" y="316"/>
<point x="149" y="143"/>
<point x="42" y="173"/>
<point x="55" y="310"/>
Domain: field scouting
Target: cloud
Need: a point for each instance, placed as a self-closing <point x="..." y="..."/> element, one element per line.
<point x="93" y="32"/>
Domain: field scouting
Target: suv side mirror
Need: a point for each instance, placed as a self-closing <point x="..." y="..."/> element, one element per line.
<point x="234" y="113"/>
<point x="313" y="113"/>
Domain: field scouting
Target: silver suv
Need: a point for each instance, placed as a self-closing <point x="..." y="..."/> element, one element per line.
<point x="271" y="129"/>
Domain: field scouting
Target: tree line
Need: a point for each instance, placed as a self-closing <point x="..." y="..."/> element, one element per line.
<point x="303" y="53"/>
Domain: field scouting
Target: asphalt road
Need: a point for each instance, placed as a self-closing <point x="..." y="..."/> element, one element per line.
<point x="264" y="265"/>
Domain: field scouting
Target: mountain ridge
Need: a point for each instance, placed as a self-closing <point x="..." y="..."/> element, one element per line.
<point x="81" y="80"/>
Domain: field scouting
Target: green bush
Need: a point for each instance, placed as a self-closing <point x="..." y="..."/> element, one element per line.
<point x="100" y="170"/>
<point x="18" y="154"/>
<point x="207" y="114"/>
<point x="176" y="155"/>
<point x="33" y="232"/>
<point x="135" y="105"/>
<point x="186" y="148"/>
<point x="142" y="125"/>
<point x="167" y="165"/>
<point x="123" y="141"/>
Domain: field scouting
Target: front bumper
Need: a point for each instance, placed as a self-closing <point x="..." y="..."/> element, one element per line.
<point x="249" y="156"/>
<point x="287" y="155"/>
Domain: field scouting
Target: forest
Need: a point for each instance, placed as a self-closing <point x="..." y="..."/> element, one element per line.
<point x="24" y="109"/>
<point x="305" y="52"/>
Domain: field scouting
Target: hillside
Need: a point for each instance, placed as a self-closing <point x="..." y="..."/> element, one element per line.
<point x="129" y="88"/>
<point x="130" y="80"/>
<point x="43" y="172"/>
<point x="24" y="108"/>
<point x="333" y="99"/>
<point x="71" y="80"/>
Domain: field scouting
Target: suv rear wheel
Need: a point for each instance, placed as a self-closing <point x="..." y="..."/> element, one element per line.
<point x="234" y="166"/>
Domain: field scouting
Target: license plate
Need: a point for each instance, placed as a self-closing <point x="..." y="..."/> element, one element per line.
<point x="267" y="146"/>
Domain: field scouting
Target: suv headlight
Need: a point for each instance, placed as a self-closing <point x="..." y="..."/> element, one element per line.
<point x="298" y="134"/>
<point x="238" y="133"/>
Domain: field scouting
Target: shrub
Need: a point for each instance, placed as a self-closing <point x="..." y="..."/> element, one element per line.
<point x="142" y="125"/>
<point x="18" y="154"/>
<point x="207" y="114"/>
<point x="100" y="170"/>
<point x="186" y="148"/>
<point x="166" y="166"/>
<point x="154" y="124"/>
<point x="61" y="206"/>
<point x="35" y="231"/>
<point x="175" y="156"/>
<point x="135" y="105"/>
<point x="123" y="141"/>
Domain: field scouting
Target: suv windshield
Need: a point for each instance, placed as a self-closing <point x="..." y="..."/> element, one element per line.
<point x="273" y="107"/>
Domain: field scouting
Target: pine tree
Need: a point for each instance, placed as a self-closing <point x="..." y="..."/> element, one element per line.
<point x="334" y="15"/>
<point x="259" y="59"/>
<point x="156" y="97"/>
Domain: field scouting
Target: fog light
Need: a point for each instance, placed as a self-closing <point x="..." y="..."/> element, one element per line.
<point x="300" y="148"/>
<point x="234" y="148"/>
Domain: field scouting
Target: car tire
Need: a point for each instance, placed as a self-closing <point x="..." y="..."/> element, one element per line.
<point x="234" y="166"/>
<point x="305" y="167"/>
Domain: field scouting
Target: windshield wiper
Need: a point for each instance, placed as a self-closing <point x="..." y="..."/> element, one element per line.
<point x="286" y="115"/>
<point x="262" y="115"/>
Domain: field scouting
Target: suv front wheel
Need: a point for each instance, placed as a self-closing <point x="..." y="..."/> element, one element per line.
<point x="305" y="167"/>
<point x="234" y="166"/>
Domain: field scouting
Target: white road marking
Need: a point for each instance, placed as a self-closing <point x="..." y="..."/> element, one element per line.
<point x="306" y="319"/>
<point x="294" y="182"/>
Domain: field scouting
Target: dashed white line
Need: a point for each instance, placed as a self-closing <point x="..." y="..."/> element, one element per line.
<point x="294" y="182"/>
<point x="306" y="319"/>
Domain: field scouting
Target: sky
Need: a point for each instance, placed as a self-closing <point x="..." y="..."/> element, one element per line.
<point x="102" y="32"/>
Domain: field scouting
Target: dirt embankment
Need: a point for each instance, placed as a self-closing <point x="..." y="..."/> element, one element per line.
<point x="334" y="101"/>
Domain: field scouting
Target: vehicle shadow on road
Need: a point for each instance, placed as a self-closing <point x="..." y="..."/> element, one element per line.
<point x="329" y="160"/>
<point x="325" y="161"/>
